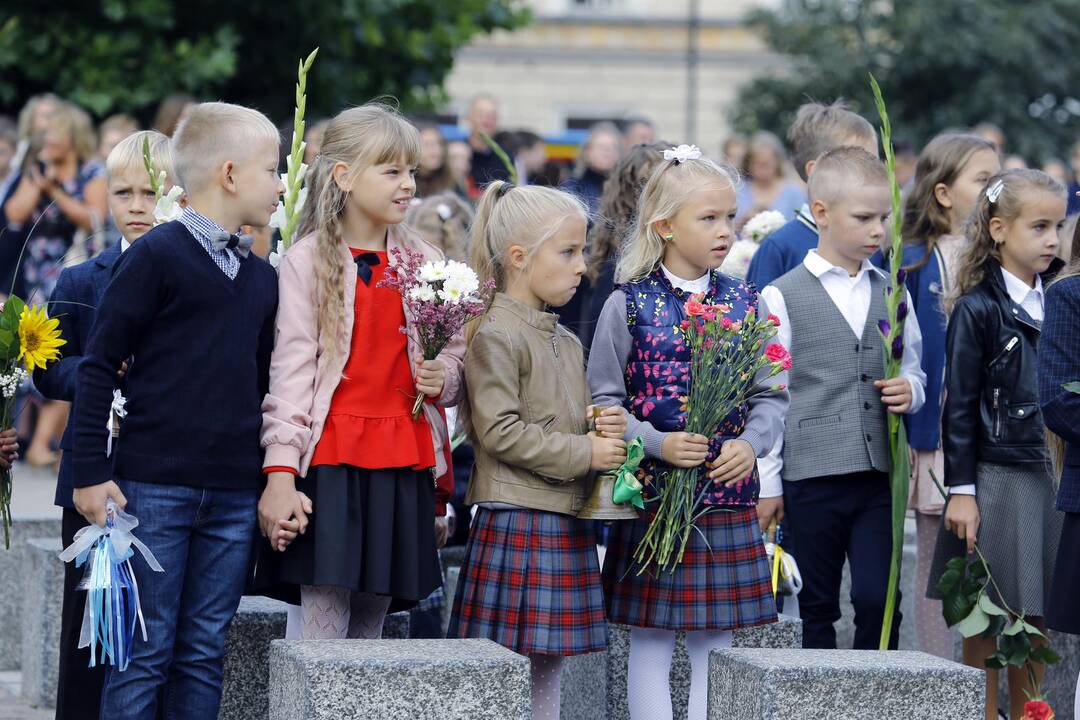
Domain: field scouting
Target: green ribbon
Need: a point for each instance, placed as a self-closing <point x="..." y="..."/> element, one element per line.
<point x="627" y="487"/>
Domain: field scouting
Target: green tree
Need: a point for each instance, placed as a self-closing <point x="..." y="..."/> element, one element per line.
<point x="125" y="55"/>
<point x="941" y="63"/>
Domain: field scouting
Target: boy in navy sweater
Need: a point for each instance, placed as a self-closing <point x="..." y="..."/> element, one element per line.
<point x="816" y="130"/>
<point x="74" y="302"/>
<point x="196" y="310"/>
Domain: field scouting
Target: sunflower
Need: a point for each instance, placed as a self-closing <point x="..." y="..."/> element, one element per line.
<point x="39" y="338"/>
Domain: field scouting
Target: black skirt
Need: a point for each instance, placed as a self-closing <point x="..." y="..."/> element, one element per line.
<point x="370" y="531"/>
<point x="1062" y="612"/>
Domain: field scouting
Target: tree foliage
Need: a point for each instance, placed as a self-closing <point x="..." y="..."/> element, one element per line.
<point x="125" y="55"/>
<point x="942" y="64"/>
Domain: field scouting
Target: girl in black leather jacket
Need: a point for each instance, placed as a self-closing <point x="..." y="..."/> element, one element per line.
<point x="996" y="464"/>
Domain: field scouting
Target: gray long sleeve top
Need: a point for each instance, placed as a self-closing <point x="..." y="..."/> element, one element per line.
<point x="610" y="354"/>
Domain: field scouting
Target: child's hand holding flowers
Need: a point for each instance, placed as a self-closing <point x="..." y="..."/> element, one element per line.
<point x="735" y="462"/>
<point x="430" y="377"/>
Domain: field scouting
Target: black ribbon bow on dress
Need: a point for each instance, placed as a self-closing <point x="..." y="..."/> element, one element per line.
<point x="364" y="263"/>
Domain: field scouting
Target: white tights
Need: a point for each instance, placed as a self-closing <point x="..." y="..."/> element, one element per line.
<point x="334" y="613"/>
<point x="546" y="686"/>
<point x="648" y="686"/>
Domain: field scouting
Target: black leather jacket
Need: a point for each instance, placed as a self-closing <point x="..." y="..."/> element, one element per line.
<point x="991" y="381"/>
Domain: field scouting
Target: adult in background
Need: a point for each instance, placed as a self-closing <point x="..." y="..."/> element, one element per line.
<point x="598" y="157"/>
<point x="486" y="166"/>
<point x="637" y="130"/>
<point x="764" y="185"/>
<point x="435" y="175"/>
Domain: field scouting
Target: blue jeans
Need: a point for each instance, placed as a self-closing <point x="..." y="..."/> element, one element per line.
<point x="203" y="540"/>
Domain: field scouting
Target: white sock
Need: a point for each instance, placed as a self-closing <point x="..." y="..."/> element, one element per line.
<point x="546" y="686"/>
<point x="294" y="621"/>
<point x="698" y="645"/>
<point x="1076" y="703"/>
<point x="648" y="690"/>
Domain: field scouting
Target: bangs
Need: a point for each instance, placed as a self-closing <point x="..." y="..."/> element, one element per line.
<point x="395" y="141"/>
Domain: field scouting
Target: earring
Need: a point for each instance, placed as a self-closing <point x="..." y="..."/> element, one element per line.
<point x="669" y="238"/>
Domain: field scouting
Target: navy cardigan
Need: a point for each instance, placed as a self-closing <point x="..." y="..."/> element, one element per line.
<point x="1059" y="363"/>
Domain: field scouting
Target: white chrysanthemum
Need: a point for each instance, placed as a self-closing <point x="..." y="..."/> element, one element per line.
<point x="763" y="225"/>
<point x="168" y="206"/>
<point x="423" y="293"/>
<point x="737" y="262"/>
<point x="461" y="277"/>
<point x="433" y="271"/>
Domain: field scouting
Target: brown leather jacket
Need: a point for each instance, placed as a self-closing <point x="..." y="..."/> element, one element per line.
<point x="525" y="378"/>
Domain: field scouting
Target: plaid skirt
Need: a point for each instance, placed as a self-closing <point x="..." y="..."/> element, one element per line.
<point x="530" y="581"/>
<point x="723" y="582"/>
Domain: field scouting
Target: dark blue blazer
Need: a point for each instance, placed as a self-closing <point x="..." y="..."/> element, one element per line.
<point x="925" y="286"/>
<point x="1059" y="363"/>
<point x="783" y="251"/>
<point x="74" y="302"/>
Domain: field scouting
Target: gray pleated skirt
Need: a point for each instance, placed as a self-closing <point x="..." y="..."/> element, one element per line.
<point x="1019" y="532"/>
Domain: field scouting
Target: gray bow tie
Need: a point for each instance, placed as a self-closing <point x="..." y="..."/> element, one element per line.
<point x="231" y="241"/>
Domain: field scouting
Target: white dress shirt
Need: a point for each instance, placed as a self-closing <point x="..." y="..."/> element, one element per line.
<point x="851" y="295"/>
<point x="1029" y="298"/>
<point x="693" y="287"/>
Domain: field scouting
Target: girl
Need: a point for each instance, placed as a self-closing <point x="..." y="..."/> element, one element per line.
<point x="996" y="464"/>
<point x="443" y="220"/>
<point x="764" y="167"/>
<point x="350" y="490"/>
<point x="618" y="203"/>
<point x="683" y="231"/>
<point x="1059" y="363"/>
<point x="597" y="159"/>
<point x="951" y="172"/>
<point x="530" y="578"/>
<point x="435" y="175"/>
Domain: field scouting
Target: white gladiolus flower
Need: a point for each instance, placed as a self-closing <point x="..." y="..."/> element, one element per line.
<point x="168" y="206"/>
<point x="274" y="259"/>
<point x="277" y="220"/>
<point x="763" y="225"/>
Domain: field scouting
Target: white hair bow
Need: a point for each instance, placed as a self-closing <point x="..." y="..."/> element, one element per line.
<point x="682" y="153"/>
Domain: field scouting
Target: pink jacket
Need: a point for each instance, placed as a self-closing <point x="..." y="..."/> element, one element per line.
<point x="303" y="376"/>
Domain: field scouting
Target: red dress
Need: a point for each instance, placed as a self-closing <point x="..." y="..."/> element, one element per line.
<point x="369" y="423"/>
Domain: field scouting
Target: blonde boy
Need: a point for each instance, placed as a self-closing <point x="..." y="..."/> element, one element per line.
<point x="195" y="309"/>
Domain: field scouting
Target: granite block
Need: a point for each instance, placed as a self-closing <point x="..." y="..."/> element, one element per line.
<point x="11" y="577"/>
<point x="258" y="621"/>
<point x="43" y="584"/>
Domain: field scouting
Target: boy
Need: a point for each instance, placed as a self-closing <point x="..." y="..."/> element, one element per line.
<point x="816" y="130"/>
<point x="196" y="309"/>
<point x="74" y="302"/>
<point x="835" y="458"/>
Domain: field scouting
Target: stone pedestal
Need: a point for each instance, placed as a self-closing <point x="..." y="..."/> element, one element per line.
<point x="42" y="583"/>
<point x="11" y="578"/>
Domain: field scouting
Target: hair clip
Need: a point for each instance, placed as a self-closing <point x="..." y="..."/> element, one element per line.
<point x="503" y="189"/>
<point x="444" y="211"/>
<point x="682" y="153"/>
<point x="994" y="191"/>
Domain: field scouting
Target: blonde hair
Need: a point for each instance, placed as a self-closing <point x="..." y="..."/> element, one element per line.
<point x="509" y="215"/>
<point x="940" y="163"/>
<point x="72" y="120"/>
<point x="121" y="121"/>
<point x="840" y="169"/>
<point x="26" y="115"/>
<point x="214" y="133"/>
<point x="667" y="189"/>
<point x="128" y="155"/>
<point x="1016" y="186"/>
<point x="443" y="220"/>
<point x="360" y="137"/>
<point x="818" y="128"/>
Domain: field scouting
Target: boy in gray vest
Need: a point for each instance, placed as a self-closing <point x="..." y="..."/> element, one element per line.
<point x="833" y="467"/>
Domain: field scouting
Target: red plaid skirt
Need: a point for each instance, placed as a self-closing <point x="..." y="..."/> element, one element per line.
<point x="530" y="581"/>
<point x="722" y="585"/>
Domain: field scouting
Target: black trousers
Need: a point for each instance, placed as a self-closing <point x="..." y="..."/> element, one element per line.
<point x="78" y="690"/>
<point x="829" y="519"/>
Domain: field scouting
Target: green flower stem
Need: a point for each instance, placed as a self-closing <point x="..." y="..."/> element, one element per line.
<point x="501" y="154"/>
<point x="148" y="162"/>
<point x="294" y="180"/>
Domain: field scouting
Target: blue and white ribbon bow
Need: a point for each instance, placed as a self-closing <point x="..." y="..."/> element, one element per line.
<point x="112" y="594"/>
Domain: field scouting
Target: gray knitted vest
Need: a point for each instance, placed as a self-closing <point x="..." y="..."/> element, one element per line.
<point x="836" y="423"/>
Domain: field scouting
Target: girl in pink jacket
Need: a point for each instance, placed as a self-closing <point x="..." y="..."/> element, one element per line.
<point x="349" y="505"/>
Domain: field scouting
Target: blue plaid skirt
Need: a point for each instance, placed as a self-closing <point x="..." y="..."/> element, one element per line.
<point x="530" y="581"/>
<point x="722" y="585"/>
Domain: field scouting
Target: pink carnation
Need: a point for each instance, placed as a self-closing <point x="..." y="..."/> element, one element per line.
<point x="694" y="308"/>
<point x="777" y="354"/>
<point x="774" y="320"/>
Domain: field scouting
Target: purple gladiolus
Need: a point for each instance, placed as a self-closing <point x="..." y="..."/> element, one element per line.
<point x="898" y="347"/>
<point x="884" y="327"/>
<point x="901" y="311"/>
<point x="900" y="275"/>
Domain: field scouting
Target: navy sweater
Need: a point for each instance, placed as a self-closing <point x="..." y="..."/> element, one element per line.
<point x="202" y="346"/>
<point x="781" y="252"/>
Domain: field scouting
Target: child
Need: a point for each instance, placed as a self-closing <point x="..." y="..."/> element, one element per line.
<point x="835" y="451"/>
<point x="530" y="579"/>
<point x="337" y="423"/>
<point x="1059" y="363"/>
<point x="75" y="302"/>
<point x="1001" y="492"/>
<point x="950" y="174"/>
<point x="618" y="204"/>
<point x="196" y="310"/>
<point x="443" y="220"/>
<point x="683" y="231"/>
<point x="816" y="129"/>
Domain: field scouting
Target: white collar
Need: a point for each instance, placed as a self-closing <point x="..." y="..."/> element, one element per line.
<point x="124" y="245"/>
<point x="1018" y="289"/>
<point x="701" y="284"/>
<point x="819" y="266"/>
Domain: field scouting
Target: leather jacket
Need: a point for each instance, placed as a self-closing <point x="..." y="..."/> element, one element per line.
<point x="991" y="381"/>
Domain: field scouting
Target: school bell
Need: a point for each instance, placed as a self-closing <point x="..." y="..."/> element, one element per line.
<point x="600" y="505"/>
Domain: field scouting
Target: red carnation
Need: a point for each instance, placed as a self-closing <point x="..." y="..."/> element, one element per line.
<point x="774" y="320"/>
<point x="694" y="308"/>
<point x="777" y="354"/>
<point x="1038" y="710"/>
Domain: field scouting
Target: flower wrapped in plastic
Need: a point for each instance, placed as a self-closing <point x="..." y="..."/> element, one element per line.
<point x="112" y="609"/>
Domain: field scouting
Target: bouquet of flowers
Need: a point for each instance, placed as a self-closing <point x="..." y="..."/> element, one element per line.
<point x="442" y="296"/>
<point x="757" y="228"/>
<point x="28" y="340"/>
<point x="112" y="594"/>
<point x="726" y="358"/>
<point x="763" y="225"/>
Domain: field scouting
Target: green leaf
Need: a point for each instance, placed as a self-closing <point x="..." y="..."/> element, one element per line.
<point x="997" y="661"/>
<point x="974" y="624"/>
<point x="989" y="607"/>
<point x="1073" y="387"/>
<point x="1015" y="648"/>
<point x="1032" y="630"/>
<point x="1013" y="629"/>
<point x="1045" y="654"/>
<point x="996" y="627"/>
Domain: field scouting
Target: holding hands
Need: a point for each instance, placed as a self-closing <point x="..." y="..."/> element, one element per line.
<point x="283" y="510"/>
